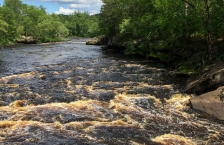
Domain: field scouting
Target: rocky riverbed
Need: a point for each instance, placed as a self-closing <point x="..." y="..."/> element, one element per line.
<point x="71" y="93"/>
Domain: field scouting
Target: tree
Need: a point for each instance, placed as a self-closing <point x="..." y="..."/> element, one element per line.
<point x="81" y="24"/>
<point x="16" y="7"/>
<point x="3" y="31"/>
<point x="31" y="15"/>
<point x="8" y="16"/>
<point x="181" y="32"/>
<point x="3" y="26"/>
<point x="111" y="16"/>
<point x="50" y="29"/>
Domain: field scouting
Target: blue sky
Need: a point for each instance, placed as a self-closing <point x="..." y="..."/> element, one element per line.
<point x="66" y="6"/>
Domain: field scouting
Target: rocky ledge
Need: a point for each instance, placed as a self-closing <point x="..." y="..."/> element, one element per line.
<point x="93" y="41"/>
<point x="26" y="40"/>
<point x="211" y="103"/>
<point x="101" y="40"/>
<point x="209" y="86"/>
<point x="209" y="79"/>
<point x="113" y="42"/>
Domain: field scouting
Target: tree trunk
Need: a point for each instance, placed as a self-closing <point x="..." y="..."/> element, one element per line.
<point x="186" y="8"/>
<point x="207" y="27"/>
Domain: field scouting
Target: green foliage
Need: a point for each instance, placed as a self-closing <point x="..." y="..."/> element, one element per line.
<point x="173" y="31"/>
<point x="20" y="31"/>
<point x="30" y="21"/>
<point x="3" y="31"/>
<point x="16" y="7"/>
<point x="3" y="26"/>
<point x="130" y="48"/>
<point x="8" y="25"/>
<point x="81" y="24"/>
<point x="124" y="26"/>
<point x="50" y="29"/>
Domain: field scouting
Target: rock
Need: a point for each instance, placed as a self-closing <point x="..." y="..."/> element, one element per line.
<point x="42" y="77"/>
<point x="27" y="40"/>
<point x="210" y="79"/>
<point x="18" y="79"/>
<point x="173" y="139"/>
<point x="93" y="41"/>
<point x="18" y="103"/>
<point x="101" y="40"/>
<point x="211" y="103"/>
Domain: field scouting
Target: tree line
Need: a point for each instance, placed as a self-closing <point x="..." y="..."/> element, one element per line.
<point x="18" y="19"/>
<point x="186" y="33"/>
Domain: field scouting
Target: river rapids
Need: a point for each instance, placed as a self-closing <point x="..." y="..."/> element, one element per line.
<point x="73" y="94"/>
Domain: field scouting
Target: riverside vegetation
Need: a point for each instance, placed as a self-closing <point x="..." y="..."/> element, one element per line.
<point x="18" y="19"/>
<point x="186" y="34"/>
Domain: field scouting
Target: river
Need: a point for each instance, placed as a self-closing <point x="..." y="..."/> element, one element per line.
<point x="70" y="93"/>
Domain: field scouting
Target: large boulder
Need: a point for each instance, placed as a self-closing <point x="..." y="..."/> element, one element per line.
<point x="211" y="103"/>
<point x="26" y="40"/>
<point x="101" y="40"/>
<point x="93" y="41"/>
<point x="209" y="79"/>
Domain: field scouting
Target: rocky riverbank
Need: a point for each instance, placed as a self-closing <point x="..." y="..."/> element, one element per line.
<point x="208" y="84"/>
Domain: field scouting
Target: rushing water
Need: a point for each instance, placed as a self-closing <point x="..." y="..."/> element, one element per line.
<point x="70" y="93"/>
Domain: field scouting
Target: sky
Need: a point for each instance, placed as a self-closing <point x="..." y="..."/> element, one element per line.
<point x="66" y="6"/>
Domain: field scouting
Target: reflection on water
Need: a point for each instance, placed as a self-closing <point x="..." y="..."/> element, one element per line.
<point x="70" y="93"/>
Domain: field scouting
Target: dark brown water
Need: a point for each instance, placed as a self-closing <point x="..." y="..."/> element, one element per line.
<point x="70" y="93"/>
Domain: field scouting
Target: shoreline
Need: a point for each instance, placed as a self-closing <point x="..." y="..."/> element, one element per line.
<point x="44" y="43"/>
<point x="18" y="44"/>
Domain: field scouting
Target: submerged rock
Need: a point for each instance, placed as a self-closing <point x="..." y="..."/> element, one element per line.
<point x="210" y="79"/>
<point x="211" y="103"/>
<point x="173" y="139"/>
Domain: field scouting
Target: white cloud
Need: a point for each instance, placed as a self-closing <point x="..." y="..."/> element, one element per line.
<point x="65" y="11"/>
<point x="79" y="6"/>
<point x="90" y="6"/>
<point x="91" y="2"/>
<point x="70" y="6"/>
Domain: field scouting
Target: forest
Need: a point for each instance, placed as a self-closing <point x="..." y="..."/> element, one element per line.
<point x="18" y="19"/>
<point x="187" y="34"/>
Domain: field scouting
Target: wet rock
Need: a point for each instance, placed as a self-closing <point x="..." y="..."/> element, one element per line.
<point x="42" y="77"/>
<point x="211" y="103"/>
<point x="172" y="139"/>
<point x="102" y="40"/>
<point x="210" y="79"/>
<point x="24" y="78"/>
<point x="107" y="96"/>
<point x="93" y="41"/>
<point x="18" y="103"/>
